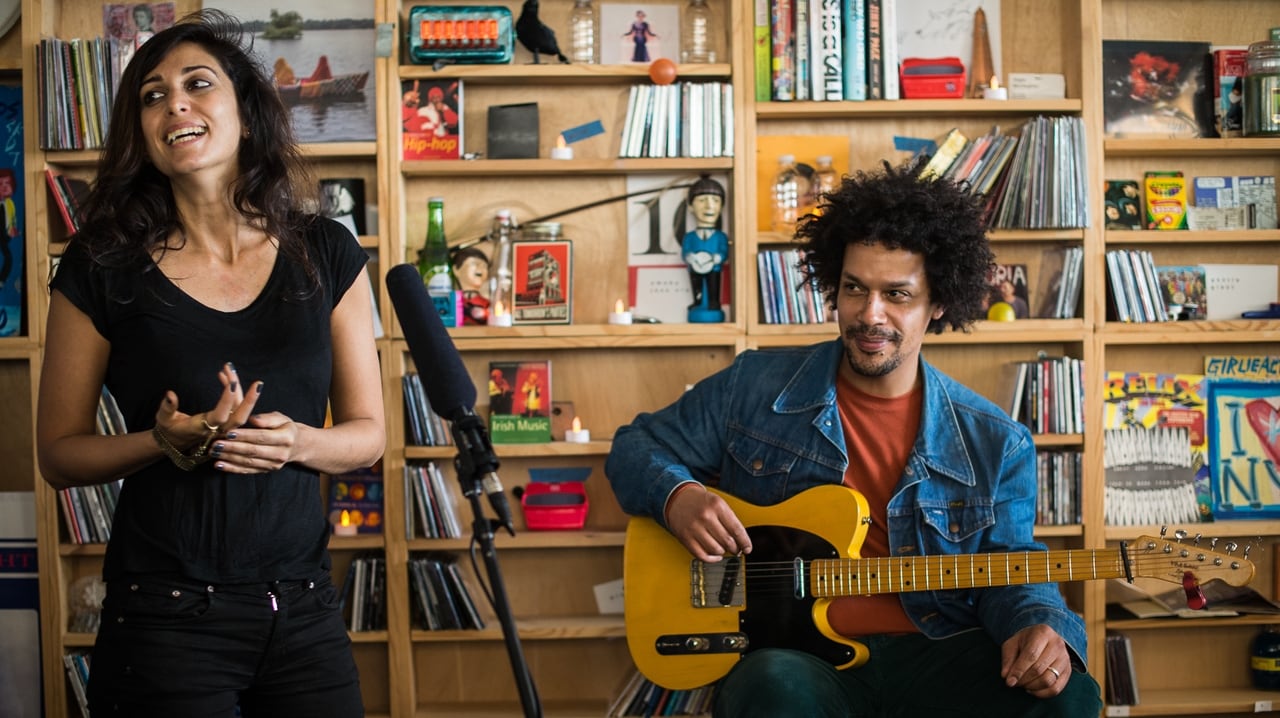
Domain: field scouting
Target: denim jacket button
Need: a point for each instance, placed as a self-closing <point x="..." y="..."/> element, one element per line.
<point x="954" y="528"/>
<point x="756" y="465"/>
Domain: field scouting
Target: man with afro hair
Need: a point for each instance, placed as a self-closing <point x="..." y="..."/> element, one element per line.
<point x="940" y="471"/>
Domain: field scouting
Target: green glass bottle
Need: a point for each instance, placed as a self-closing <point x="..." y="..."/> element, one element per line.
<point x="433" y="258"/>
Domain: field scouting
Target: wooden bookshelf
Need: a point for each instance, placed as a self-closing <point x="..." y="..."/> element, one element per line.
<point x="578" y="658"/>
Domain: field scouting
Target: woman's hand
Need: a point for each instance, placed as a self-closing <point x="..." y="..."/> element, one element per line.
<point x="234" y="407"/>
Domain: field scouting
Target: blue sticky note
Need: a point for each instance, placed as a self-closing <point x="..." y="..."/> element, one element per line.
<point x="582" y="132"/>
<point x="914" y="145"/>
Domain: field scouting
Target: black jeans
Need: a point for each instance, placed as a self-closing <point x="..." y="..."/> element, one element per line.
<point x="175" y="647"/>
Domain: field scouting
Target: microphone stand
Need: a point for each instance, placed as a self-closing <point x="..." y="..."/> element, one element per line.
<point x="476" y="460"/>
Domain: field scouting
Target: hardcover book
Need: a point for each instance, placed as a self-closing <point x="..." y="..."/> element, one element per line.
<point x="520" y="402"/>
<point x="1244" y="448"/>
<point x="360" y="494"/>
<point x="431" y="119"/>
<point x="1155" y="449"/>
<point x="1157" y="89"/>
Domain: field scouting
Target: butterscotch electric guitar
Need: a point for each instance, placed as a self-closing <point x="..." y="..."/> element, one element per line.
<point x="688" y="622"/>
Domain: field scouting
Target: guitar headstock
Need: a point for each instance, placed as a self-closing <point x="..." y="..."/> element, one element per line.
<point x="1175" y="560"/>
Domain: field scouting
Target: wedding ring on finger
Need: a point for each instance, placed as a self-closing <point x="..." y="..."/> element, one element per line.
<point x="1056" y="675"/>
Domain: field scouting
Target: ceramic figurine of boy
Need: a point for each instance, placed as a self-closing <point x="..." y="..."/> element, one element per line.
<point x="705" y="248"/>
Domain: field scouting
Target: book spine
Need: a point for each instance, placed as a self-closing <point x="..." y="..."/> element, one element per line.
<point x="889" y="48"/>
<point x="760" y="52"/>
<point x="782" y="55"/>
<point x="803" y="54"/>
<point x="854" y="13"/>
<point x="829" y="69"/>
<point x="875" y="53"/>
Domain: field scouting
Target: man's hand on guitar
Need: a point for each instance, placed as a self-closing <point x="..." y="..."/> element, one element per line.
<point x="1036" y="658"/>
<point x="705" y="524"/>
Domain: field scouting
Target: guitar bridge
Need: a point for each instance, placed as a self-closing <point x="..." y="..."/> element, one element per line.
<point x="717" y="585"/>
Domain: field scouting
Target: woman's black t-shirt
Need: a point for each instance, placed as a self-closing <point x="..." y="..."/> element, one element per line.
<point x="206" y="524"/>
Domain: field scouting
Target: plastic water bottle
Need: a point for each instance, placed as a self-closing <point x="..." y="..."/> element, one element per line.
<point x="825" y="176"/>
<point x="501" y="235"/>
<point x="582" y="33"/>
<point x="698" y="33"/>
<point x="789" y="190"/>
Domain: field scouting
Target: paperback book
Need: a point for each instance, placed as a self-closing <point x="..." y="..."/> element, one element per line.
<point x="520" y="402"/>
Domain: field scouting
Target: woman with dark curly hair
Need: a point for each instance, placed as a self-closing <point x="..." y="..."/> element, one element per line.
<point x="224" y="319"/>
<point x="937" y="470"/>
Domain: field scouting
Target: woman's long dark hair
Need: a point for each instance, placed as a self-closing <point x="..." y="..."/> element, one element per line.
<point x="130" y="211"/>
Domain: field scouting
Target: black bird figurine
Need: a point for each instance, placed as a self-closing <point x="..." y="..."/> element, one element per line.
<point x="535" y="35"/>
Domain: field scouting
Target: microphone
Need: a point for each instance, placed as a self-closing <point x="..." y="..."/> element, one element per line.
<point x="450" y="391"/>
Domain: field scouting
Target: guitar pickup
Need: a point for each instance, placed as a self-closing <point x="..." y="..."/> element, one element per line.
<point x="717" y="585"/>
<point x="691" y="644"/>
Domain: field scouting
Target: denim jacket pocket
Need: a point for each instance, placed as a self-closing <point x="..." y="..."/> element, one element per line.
<point x="957" y="523"/>
<point x="757" y="471"/>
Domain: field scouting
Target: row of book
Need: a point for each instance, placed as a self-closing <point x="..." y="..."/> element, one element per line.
<point x="432" y="513"/>
<point x="88" y="510"/>
<point x="682" y="119"/>
<point x="827" y="50"/>
<point x="1058" y="479"/>
<point x="1045" y="185"/>
<point x="68" y="194"/>
<point x="1063" y="269"/>
<point x="364" y="592"/>
<point x="439" y="597"/>
<point x="77" y="665"/>
<point x="642" y="697"/>
<point x="426" y="427"/>
<point x="1122" y="679"/>
<point x="1048" y="395"/>
<point x="1134" y="282"/>
<point x="76" y="89"/>
<point x="785" y="296"/>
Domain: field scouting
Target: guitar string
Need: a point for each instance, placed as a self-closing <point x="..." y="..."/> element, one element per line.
<point x="887" y="573"/>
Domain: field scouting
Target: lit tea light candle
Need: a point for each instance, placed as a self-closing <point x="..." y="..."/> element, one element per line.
<point x="994" y="91"/>
<point x="620" y="314"/>
<point x="561" y="151"/>
<point x="499" y="316"/>
<point x="576" y="434"/>
<point x="344" y="527"/>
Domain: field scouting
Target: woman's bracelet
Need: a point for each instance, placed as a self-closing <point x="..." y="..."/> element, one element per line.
<point x="186" y="462"/>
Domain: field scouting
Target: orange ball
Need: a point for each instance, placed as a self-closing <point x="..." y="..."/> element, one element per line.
<point x="662" y="71"/>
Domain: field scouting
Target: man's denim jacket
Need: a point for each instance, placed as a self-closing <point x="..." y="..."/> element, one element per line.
<point x="767" y="428"/>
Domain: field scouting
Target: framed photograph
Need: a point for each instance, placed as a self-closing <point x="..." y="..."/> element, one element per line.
<point x="321" y="55"/>
<point x="638" y="32"/>
<point x="342" y="199"/>
<point x="543" y="282"/>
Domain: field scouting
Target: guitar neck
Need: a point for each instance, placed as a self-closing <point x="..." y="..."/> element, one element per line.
<point x="830" y="578"/>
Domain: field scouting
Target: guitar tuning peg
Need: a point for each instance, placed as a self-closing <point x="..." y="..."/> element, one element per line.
<point x="1196" y="541"/>
<point x="1213" y="543"/>
<point x="1231" y="546"/>
<point x="1247" y="549"/>
<point x="1163" y="529"/>
<point x="1180" y="535"/>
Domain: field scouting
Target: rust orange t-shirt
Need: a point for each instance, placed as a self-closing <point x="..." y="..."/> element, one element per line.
<point x="878" y="434"/>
